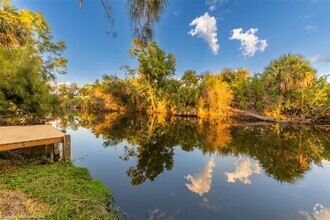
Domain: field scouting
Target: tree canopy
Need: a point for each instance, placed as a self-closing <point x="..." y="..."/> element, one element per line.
<point x="29" y="60"/>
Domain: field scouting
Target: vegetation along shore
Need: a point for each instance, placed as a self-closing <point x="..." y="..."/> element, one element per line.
<point x="288" y="90"/>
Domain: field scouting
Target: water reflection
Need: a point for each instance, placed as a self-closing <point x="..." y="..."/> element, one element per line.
<point x="244" y="169"/>
<point x="284" y="153"/>
<point x="323" y="215"/>
<point x="201" y="182"/>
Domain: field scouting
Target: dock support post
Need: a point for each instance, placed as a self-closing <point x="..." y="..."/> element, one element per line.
<point x="49" y="149"/>
<point x="67" y="147"/>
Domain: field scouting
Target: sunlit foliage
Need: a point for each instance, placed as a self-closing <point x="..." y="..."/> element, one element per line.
<point x="286" y="81"/>
<point x="155" y="67"/>
<point x="215" y="97"/>
<point x="29" y="60"/>
<point x="152" y="140"/>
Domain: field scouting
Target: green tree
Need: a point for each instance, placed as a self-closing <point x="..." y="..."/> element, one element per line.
<point x="215" y="96"/>
<point x="239" y="82"/>
<point x="23" y="28"/>
<point x="155" y="67"/>
<point x="29" y="59"/>
<point x="13" y="31"/>
<point x="287" y="79"/>
<point x="317" y="100"/>
<point x="22" y="89"/>
<point x="69" y="94"/>
<point x="185" y="94"/>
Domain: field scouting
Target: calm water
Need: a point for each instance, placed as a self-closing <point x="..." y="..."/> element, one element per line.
<point x="160" y="168"/>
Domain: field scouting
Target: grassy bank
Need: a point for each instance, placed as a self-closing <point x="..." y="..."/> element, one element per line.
<point x="52" y="190"/>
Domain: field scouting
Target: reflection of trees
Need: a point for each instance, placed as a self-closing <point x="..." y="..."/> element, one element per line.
<point x="214" y="136"/>
<point x="67" y="119"/>
<point x="285" y="153"/>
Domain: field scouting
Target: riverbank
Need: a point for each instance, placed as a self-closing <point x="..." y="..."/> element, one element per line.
<point x="31" y="187"/>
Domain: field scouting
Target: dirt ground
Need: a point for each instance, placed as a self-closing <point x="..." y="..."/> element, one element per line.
<point x="18" y="204"/>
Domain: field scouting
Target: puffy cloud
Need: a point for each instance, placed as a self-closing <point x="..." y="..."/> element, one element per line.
<point x="250" y="43"/>
<point x="201" y="182"/>
<point x="244" y="169"/>
<point x="311" y="28"/>
<point x="320" y="59"/>
<point x="206" y="28"/>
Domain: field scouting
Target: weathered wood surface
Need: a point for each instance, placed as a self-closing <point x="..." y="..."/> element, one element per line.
<point x="255" y="116"/>
<point x="15" y="137"/>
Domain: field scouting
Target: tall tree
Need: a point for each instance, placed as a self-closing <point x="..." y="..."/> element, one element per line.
<point x="29" y="59"/>
<point x="155" y="67"/>
<point x="286" y="80"/>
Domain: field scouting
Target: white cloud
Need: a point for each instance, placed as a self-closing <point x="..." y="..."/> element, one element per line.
<point x="201" y="182"/>
<point x="320" y="59"/>
<point x="212" y="8"/>
<point x="206" y="28"/>
<point x="244" y="169"/>
<point x="214" y="4"/>
<point x="250" y="43"/>
<point x="177" y="12"/>
<point x="311" y="28"/>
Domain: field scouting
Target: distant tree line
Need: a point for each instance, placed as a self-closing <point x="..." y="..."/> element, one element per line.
<point x="288" y="89"/>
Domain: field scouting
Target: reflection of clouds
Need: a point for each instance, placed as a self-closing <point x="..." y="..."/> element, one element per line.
<point x="325" y="162"/>
<point x="156" y="214"/>
<point x="244" y="169"/>
<point x="159" y="214"/>
<point x="201" y="182"/>
<point x="325" y="215"/>
<point x="209" y="205"/>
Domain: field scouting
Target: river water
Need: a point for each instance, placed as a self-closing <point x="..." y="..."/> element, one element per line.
<point x="176" y="168"/>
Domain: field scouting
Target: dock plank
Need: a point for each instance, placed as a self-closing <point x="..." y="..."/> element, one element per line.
<point x="21" y="134"/>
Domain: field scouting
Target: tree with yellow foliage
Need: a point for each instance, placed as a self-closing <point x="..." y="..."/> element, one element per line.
<point x="215" y="97"/>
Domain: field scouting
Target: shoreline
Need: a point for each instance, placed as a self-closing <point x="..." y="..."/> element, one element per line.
<point x="56" y="190"/>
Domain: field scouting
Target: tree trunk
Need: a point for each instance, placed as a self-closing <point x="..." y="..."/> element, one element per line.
<point x="247" y="114"/>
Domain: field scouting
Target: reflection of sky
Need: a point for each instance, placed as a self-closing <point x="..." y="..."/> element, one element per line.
<point x="244" y="169"/>
<point x="325" y="215"/>
<point x="201" y="182"/>
<point x="167" y="196"/>
<point x="209" y="205"/>
<point x="159" y="214"/>
<point x="325" y="162"/>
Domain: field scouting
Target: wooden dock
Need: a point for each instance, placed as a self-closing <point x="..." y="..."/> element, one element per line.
<point x="17" y="137"/>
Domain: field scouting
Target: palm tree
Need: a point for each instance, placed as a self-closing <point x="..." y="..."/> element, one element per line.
<point x="287" y="79"/>
<point x="290" y="72"/>
<point x="143" y="15"/>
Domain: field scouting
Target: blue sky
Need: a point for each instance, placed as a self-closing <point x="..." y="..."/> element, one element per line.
<point x="293" y="26"/>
